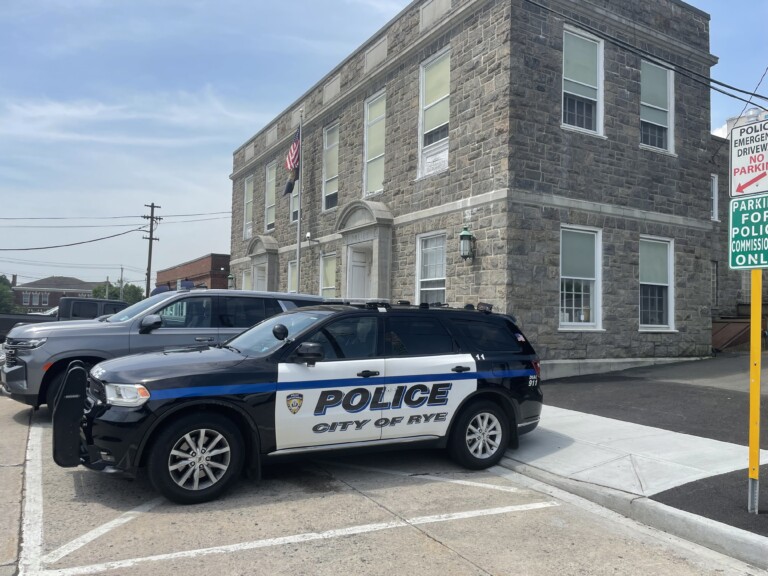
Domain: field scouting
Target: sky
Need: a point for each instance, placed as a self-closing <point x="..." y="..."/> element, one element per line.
<point x="107" y="106"/>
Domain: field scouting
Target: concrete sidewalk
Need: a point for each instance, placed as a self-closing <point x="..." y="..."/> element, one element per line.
<point x="620" y="464"/>
<point x="13" y="449"/>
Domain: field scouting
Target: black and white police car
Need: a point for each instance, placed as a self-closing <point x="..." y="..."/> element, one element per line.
<point x="315" y="378"/>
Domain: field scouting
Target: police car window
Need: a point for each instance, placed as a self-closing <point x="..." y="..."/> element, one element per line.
<point x="331" y="350"/>
<point x="490" y="336"/>
<point x="414" y="336"/>
<point x="354" y="337"/>
<point x="259" y="340"/>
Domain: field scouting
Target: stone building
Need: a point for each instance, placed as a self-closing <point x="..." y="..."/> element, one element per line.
<point x="570" y="139"/>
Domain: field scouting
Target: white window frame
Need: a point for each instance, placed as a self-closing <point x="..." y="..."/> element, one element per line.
<point x="596" y="320"/>
<point x="248" y="209"/>
<point x="326" y="289"/>
<point x="670" y="325"/>
<point x="270" y="181"/>
<point x="670" y="110"/>
<point x="291" y="277"/>
<point x="25" y="298"/>
<point x="44" y="299"/>
<point x="294" y="207"/>
<point x="440" y="148"/>
<point x="714" y="191"/>
<point x="600" y="104"/>
<point x="326" y="178"/>
<point x="419" y="239"/>
<point x="369" y="122"/>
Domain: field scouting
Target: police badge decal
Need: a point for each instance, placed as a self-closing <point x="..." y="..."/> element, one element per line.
<point x="294" y="402"/>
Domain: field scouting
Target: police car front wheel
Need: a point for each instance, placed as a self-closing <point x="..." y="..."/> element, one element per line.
<point x="481" y="436"/>
<point x="196" y="458"/>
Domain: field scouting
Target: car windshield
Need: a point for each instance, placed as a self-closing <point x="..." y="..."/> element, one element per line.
<point x="259" y="340"/>
<point x="140" y="306"/>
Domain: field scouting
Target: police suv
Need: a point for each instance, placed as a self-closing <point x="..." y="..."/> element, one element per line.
<point x="315" y="378"/>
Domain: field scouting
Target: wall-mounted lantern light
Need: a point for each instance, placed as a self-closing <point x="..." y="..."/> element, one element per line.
<point x="466" y="244"/>
<point x="230" y="282"/>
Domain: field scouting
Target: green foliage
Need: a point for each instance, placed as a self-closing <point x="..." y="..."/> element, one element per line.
<point x="131" y="293"/>
<point x="6" y="298"/>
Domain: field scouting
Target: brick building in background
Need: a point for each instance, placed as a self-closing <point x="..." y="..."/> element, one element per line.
<point x="210" y="271"/>
<point x="43" y="294"/>
<point x="570" y="139"/>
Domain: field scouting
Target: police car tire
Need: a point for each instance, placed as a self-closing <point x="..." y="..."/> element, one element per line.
<point x="466" y="447"/>
<point x="172" y="438"/>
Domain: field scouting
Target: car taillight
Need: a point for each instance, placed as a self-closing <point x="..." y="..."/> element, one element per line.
<point x="537" y="368"/>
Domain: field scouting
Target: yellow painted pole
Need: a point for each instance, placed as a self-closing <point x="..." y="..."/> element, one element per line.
<point x="756" y="327"/>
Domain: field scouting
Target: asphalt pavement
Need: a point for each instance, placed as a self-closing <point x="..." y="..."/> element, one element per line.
<point x="666" y="445"/>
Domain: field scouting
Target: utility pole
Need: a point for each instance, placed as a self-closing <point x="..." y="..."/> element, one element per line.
<point x="121" y="282"/>
<point x="106" y="289"/>
<point x="152" y="220"/>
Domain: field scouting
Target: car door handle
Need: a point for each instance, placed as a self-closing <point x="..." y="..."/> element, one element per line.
<point x="368" y="373"/>
<point x="460" y="369"/>
<point x="202" y="339"/>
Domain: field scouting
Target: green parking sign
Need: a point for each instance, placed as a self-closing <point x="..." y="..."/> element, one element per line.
<point x="748" y="238"/>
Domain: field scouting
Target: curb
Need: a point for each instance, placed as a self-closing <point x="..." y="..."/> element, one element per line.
<point x="734" y="542"/>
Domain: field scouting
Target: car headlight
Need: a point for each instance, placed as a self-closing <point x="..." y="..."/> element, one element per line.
<point x="126" y="394"/>
<point x="25" y="343"/>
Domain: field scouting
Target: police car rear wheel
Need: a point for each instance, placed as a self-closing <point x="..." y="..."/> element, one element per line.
<point x="196" y="459"/>
<point x="480" y="437"/>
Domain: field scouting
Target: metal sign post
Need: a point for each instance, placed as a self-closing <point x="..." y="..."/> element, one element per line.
<point x="748" y="249"/>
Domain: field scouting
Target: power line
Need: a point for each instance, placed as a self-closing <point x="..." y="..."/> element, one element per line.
<point x="39" y="263"/>
<point x="49" y="226"/>
<point x="73" y="243"/>
<point x="104" y="217"/>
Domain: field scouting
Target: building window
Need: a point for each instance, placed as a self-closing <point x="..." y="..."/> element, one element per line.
<point x="430" y="269"/>
<point x="35" y="299"/>
<point x="44" y="299"/>
<point x="582" y="81"/>
<point x="331" y="167"/>
<point x="375" y="129"/>
<point x="260" y="277"/>
<point x="434" y="114"/>
<point x="247" y="279"/>
<point x="656" y="290"/>
<point x="580" y="295"/>
<point x="292" y="276"/>
<point x="656" y="113"/>
<point x="25" y="298"/>
<point x="713" y="186"/>
<point x="269" y="197"/>
<point x="248" y="209"/>
<point x="328" y="276"/>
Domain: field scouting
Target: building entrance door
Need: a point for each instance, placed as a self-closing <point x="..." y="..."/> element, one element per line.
<point x="359" y="272"/>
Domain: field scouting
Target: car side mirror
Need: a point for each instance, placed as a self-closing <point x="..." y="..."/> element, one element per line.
<point x="310" y="352"/>
<point x="149" y="323"/>
<point x="280" y="332"/>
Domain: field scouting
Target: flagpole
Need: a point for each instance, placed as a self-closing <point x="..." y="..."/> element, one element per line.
<point x="298" y="203"/>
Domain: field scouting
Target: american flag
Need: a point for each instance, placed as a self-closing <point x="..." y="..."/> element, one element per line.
<point x="292" y="160"/>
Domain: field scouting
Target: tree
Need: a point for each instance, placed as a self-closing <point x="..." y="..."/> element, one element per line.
<point x="131" y="293"/>
<point x="7" y="305"/>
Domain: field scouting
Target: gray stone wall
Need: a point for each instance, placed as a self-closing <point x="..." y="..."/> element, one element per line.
<point x="515" y="176"/>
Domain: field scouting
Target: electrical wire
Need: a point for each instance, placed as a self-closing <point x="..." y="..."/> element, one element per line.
<point x="73" y="243"/>
<point x="105" y="217"/>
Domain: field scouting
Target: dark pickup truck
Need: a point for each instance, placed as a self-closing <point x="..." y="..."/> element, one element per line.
<point x="70" y="308"/>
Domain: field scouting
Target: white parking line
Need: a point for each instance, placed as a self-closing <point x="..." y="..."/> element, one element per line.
<point x="78" y="543"/>
<point x="297" y="538"/>
<point x="30" y="561"/>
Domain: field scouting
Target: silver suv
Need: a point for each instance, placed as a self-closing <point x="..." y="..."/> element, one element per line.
<point x="38" y="354"/>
